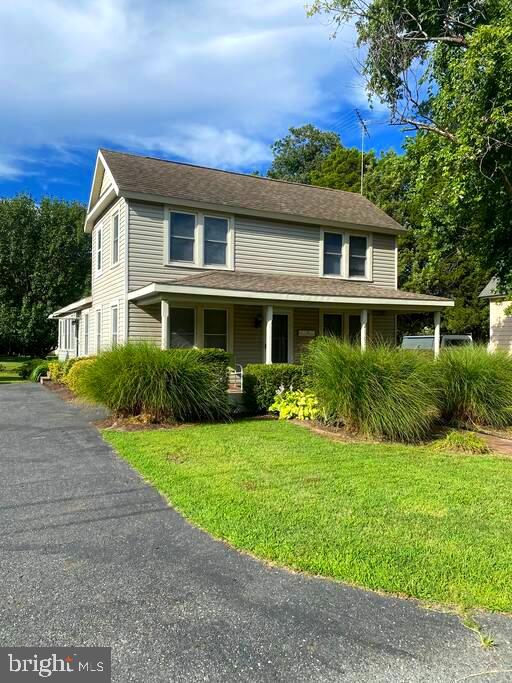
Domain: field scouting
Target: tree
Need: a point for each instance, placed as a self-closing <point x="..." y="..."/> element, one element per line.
<point x="432" y="260"/>
<point x="445" y="70"/>
<point x="301" y="152"/>
<point x="44" y="264"/>
<point x="341" y="169"/>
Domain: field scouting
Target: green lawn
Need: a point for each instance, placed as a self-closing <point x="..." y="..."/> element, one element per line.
<point x="397" y="518"/>
<point x="9" y="372"/>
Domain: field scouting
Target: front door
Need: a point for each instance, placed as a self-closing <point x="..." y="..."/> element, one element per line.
<point x="280" y="338"/>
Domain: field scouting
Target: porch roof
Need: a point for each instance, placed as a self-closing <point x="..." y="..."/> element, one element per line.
<point x="76" y="306"/>
<point x="244" y="285"/>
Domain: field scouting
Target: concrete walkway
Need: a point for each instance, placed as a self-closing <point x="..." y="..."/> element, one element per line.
<point x="91" y="555"/>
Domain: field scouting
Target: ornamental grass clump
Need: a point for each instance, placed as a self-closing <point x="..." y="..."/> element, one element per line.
<point x="382" y="392"/>
<point x="141" y="379"/>
<point x="476" y="386"/>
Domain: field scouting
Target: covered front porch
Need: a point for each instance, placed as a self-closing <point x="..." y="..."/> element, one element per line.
<point x="268" y="332"/>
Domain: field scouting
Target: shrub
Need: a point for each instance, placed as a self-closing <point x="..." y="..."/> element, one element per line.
<point x="56" y="370"/>
<point x="462" y="442"/>
<point x="476" y="386"/>
<point x="141" y="379"/>
<point x="302" y="405"/>
<point x="262" y="382"/>
<point x="383" y="391"/>
<point x="75" y="373"/>
<point x="26" y="368"/>
<point x="39" y="370"/>
<point x="218" y="359"/>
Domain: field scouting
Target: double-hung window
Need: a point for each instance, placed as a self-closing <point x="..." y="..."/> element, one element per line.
<point x="86" y="334"/>
<point x="333" y="253"/>
<point x="183" y="327"/>
<point x="215" y="241"/>
<point x="215" y="328"/>
<point x="99" y="249"/>
<point x="182" y="228"/>
<point x="357" y="256"/>
<point x="98" y="330"/>
<point x="115" y="239"/>
<point x="115" y="324"/>
<point x="199" y="240"/>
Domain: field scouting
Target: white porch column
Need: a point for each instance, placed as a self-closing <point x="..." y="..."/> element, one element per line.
<point x="364" y="328"/>
<point x="437" y="333"/>
<point x="269" y="312"/>
<point x="164" y="309"/>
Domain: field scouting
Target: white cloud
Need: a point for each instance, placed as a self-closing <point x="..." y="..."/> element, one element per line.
<point x="212" y="81"/>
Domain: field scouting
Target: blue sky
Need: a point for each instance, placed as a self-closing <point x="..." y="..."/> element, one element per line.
<point x="211" y="82"/>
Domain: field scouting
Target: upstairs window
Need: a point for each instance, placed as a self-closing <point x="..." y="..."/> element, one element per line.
<point x="115" y="239"/>
<point x="357" y="256"/>
<point x="99" y="248"/>
<point x="182" y="322"/>
<point x="333" y="249"/>
<point x="215" y="329"/>
<point x="182" y="228"/>
<point x="215" y="241"/>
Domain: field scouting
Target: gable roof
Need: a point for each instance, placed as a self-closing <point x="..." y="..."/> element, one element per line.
<point x="490" y="291"/>
<point x="177" y="181"/>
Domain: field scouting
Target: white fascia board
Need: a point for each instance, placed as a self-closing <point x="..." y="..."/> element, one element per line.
<point x="99" y="207"/>
<point x="156" y="288"/>
<point x="79" y="305"/>
<point x="253" y="213"/>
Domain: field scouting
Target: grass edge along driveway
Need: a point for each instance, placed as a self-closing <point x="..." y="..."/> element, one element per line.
<point x="400" y="519"/>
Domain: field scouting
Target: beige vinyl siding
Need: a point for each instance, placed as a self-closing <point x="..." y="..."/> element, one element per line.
<point x="384" y="260"/>
<point x="383" y="327"/>
<point x="110" y="285"/>
<point x="304" y="319"/>
<point x="145" y="323"/>
<point x="276" y="247"/>
<point x="146" y="247"/>
<point x="500" y="326"/>
<point x="248" y="339"/>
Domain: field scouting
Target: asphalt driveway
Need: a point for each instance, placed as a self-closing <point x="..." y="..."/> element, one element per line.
<point x="91" y="555"/>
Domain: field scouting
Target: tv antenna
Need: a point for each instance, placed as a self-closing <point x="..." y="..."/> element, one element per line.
<point x="364" y="131"/>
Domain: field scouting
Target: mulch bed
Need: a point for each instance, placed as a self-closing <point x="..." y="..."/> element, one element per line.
<point x="61" y="390"/>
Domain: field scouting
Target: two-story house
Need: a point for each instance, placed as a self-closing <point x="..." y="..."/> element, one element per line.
<point x="190" y="256"/>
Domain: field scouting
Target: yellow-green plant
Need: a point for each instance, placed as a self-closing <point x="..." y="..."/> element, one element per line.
<point x="75" y="372"/>
<point x="300" y="405"/>
<point x="56" y="370"/>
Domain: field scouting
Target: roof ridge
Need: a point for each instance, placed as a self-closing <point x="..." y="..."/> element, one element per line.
<point x="239" y="173"/>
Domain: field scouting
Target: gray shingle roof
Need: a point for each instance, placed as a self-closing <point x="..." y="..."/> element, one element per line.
<point x="147" y="175"/>
<point x="289" y="284"/>
<point x="489" y="291"/>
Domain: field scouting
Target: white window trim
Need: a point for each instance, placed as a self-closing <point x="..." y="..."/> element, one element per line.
<point x="98" y="332"/>
<point x="199" y="241"/>
<point x="87" y="327"/>
<point x="113" y="263"/>
<point x="98" y="251"/>
<point x="368" y="277"/>
<point x="114" y="304"/>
